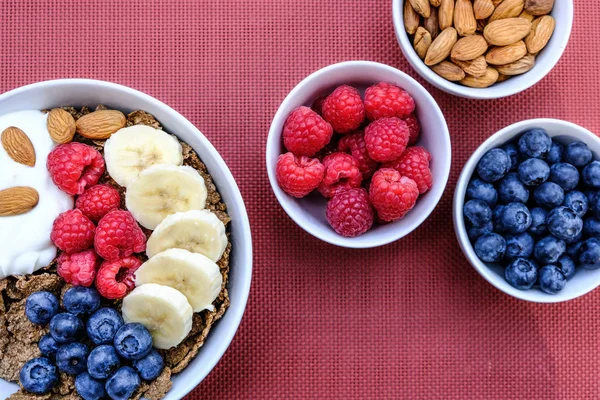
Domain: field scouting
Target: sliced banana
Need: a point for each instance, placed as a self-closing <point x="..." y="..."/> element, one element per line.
<point x="194" y="275"/>
<point x="164" y="311"/>
<point x="198" y="231"/>
<point x="162" y="190"/>
<point x="131" y="150"/>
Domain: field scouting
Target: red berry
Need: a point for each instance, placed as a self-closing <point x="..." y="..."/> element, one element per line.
<point x="386" y="139"/>
<point x="117" y="278"/>
<point x="341" y="173"/>
<point x="392" y="194"/>
<point x="349" y="213"/>
<point x="72" y="232"/>
<point x="74" y="167"/>
<point x="78" y="269"/>
<point x="98" y="200"/>
<point x="317" y="105"/>
<point x="384" y="100"/>
<point x="305" y="132"/>
<point x="414" y="164"/>
<point x="354" y="144"/>
<point x="298" y="176"/>
<point x="118" y="235"/>
<point x="344" y="109"/>
<point x="413" y="128"/>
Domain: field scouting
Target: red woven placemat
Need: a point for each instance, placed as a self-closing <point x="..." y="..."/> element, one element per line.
<point x="410" y="320"/>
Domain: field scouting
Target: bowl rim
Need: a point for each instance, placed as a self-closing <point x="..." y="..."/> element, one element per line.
<point x="458" y="202"/>
<point x="235" y="311"/>
<point x="464" y="91"/>
<point x="272" y="147"/>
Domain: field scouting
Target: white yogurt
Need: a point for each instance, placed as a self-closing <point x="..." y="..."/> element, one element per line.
<point x="25" y="244"/>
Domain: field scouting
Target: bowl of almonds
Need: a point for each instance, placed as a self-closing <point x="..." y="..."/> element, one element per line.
<point x="483" y="49"/>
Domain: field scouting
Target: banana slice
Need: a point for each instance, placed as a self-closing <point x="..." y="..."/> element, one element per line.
<point x="198" y="231"/>
<point x="131" y="150"/>
<point x="164" y="311"/>
<point x="162" y="190"/>
<point x="194" y="275"/>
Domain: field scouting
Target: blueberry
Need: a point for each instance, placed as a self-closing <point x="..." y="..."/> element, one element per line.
<point x="577" y="154"/>
<point x="577" y="201"/>
<point x="521" y="273"/>
<point x="40" y="307"/>
<point x="538" y="221"/>
<point x="549" y="249"/>
<point x="103" y="325"/>
<point x="533" y="172"/>
<point x="566" y="265"/>
<point x="564" y="223"/>
<point x="564" y="175"/>
<point x="88" y="387"/>
<point x="535" y="143"/>
<point x="552" y="279"/>
<point x="519" y="246"/>
<point x="497" y="218"/>
<point x="555" y="154"/>
<point x="151" y="366"/>
<point x="81" y="300"/>
<point x="591" y="227"/>
<point x="511" y="150"/>
<point x="475" y="232"/>
<point x="549" y="195"/>
<point x="477" y="212"/>
<point x="122" y="384"/>
<point x="71" y="358"/>
<point x="589" y="253"/>
<point x="591" y="174"/>
<point x="480" y="190"/>
<point x="511" y="189"/>
<point x="594" y="206"/>
<point x="133" y="341"/>
<point x="48" y="346"/>
<point x="103" y="361"/>
<point x="515" y="218"/>
<point x="591" y="195"/>
<point x="65" y="328"/>
<point x="38" y="375"/>
<point x="490" y="247"/>
<point x="493" y="165"/>
<point x="573" y="250"/>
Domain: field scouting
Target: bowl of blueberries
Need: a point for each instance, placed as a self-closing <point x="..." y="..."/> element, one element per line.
<point x="527" y="212"/>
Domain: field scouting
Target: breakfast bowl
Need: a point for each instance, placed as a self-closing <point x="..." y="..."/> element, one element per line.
<point x="562" y="12"/>
<point x="309" y="212"/>
<point x="88" y="94"/>
<point x="580" y="280"/>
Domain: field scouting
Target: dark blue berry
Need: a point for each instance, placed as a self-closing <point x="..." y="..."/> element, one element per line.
<point x="81" y="300"/>
<point x="594" y="206"/>
<point x="519" y="246"/>
<point x="516" y="218"/>
<point x="549" y="249"/>
<point x="538" y="222"/>
<point x="133" y="341"/>
<point x="477" y="212"/>
<point x="535" y="143"/>
<point x="102" y="326"/>
<point x="497" y="218"/>
<point x="103" y="361"/>
<point x="89" y="388"/>
<point x="475" y="232"/>
<point x="573" y="250"/>
<point x="577" y="154"/>
<point x="552" y="279"/>
<point x="591" y="174"/>
<point x="533" y="172"/>
<point x="577" y="201"/>
<point x="566" y="265"/>
<point x="564" y="223"/>
<point x="521" y="273"/>
<point x="48" y="346"/>
<point x="490" y="247"/>
<point x="555" y="154"/>
<point x="66" y="327"/>
<point x="511" y="189"/>
<point x="493" y="165"/>
<point x="38" y="375"/>
<point x="564" y="175"/>
<point x="71" y="358"/>
<point x="589" y="253"/>
<point x="480" y="190"/>
<point x="151" y="366"/>
<point x="591" y="227"/>
<point x="40" y="307"/>
<point x="591" y="195"/>
<point x="122" y="384"/>
<point x="511" y="150"/>
<point x="549" y="195"/>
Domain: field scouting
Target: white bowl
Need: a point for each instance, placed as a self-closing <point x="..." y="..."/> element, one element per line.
<point x="584" y="280"/>
<point x="545" y="61"/>
<point x="309" y="212"/>
<point x="84" y="92"/>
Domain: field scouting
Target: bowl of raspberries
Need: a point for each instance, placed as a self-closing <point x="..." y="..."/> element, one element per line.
<point x="527" y="210"/>
<point x="358" y="154"/>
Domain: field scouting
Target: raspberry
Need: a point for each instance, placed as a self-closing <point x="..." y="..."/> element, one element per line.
<point x="384" y="100"/>
<point x="98" y="200"/>
<point x="344" y="109"/>
<point x="341" y="173"/>
<point x="386" y="139"/>
<point x="317" y="105"/>
<point x="414" y="164"/>
<point x="414" y="128"/>
<point x="117" y="278"/>
<point x="74" y="167"/>
<point x="72" y="231"/>
<point x="349" y="213"/>
<point x="298" y="176"/>
<point x="78" y="269"/>
<point x="118" y="235"/>
<point x="354" y="144"/>
<point x="305" y="132"/>
<point x="392" y="194"/>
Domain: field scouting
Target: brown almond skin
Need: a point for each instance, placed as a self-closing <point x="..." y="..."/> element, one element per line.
<point x="502" y="78"/>
<point x="518" y="67"/>
<point x="411" y="18"/>
<point x="469" y="48"/>
<point x="422" y="41"/>
<point x="431" y="24"/>
<point x="446" y="14"/>
<point x="527" y="16"/>
<point x="542" y="29"/>
<point x="506" y="31"/>
<point x="441" y="47"/>
<point x="464" y="18"/>
<point x="449" y="71"/>
<point x="17" y="200"/>
<point x="476" y="67"/>
<point x="100" y="124"/>
<point x="483" y="8"/>
<point x="507" y="9"/>
<point x="17" y="145"/>
<point x="435" y="3"/>
<point x="422" y="7"/>
<point x="539" y="7"/>
<point x="506" y="54"/>
<point x="486" y="80"/>
<point x="61" y="125"/>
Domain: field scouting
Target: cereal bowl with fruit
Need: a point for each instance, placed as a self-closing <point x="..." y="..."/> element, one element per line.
<point x="527" y="211"/>
<point x="124" y="240"/>
<point x="358" y="154"/>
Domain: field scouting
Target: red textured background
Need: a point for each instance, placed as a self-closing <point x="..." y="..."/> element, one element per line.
<point x="410" y="320"/>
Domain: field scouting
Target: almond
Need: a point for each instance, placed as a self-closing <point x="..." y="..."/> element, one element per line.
<point x="422" y="7"/>
<point x="507" y="9"/>
<point x="422" y="41"/>
<point x="411" y="18"/>
<point x="502" y="78"/>
<point x="506" y="31"/>
<point x="449" y="71"/>
<point x="464" y="18"/>
<point x="527" y="16"/>
<point x="518" y="67"/>
<point x="483" y="8"/>
<point x="435" y="3"/>
<point x="17" y="200"/>
<point x="506" y="54"/>
<point x="541" y="31"/>
<point x="446" y="14"/>
<point x="441" y="46"/>
<point x="431" y="24"/>
<point x="488" y="79"/>
<point x="18" y="146"/>
<point x="100" y="124"/>
<point x="496" y="2"/>
<point x="469" y="48"/>
<point x="476" y="67"/>
<point x="539" y="7"/>
<point x="61" y="125"/>
<point x="481" y="23"/>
